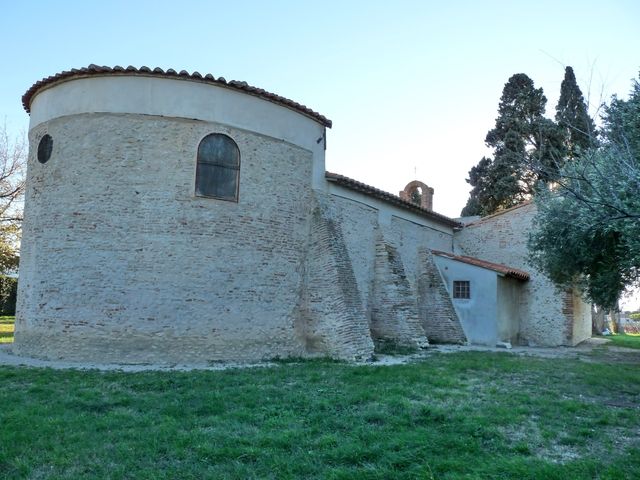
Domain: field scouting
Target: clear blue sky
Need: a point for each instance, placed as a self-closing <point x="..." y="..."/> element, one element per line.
<point x="411" y="86"/>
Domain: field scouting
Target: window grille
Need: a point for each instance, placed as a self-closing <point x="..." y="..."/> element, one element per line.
<point x="461" y="289"/>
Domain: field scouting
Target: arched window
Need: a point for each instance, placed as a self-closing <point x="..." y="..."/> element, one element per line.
<point x="218" y="169"/>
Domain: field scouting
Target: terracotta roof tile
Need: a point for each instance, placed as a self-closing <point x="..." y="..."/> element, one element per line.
<point x="389" y="198"/>
<point x="496" y="267"/>
<point x="195" y="76"/>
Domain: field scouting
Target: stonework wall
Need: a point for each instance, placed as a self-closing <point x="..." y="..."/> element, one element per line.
<point x="440" y="321"/>
<point x="395" y="318"/>
<point x="121" y="262"/>
<point x="410" y="238"/>
<point x="580" y="316"/>
<point x="332" y="320"/>
<point x="502" y="238"/>
<point x="384" y="263"/>
<point x="359" y="226"/>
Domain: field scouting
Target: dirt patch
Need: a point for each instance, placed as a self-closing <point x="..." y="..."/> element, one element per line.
<point x="597" y="350"/>
<point x="8" y="358"/>
<point x="592" y="350"/>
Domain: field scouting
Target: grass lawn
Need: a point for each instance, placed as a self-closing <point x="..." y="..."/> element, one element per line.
<point x="451" y="416"/>
<point x="6" y="329"/>
<point x="626" y="340"/>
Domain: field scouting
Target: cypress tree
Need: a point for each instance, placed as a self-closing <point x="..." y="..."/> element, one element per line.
<point x="573" y="118"/>
<point x="526" y="150"/>
<point x="520" y="110"/>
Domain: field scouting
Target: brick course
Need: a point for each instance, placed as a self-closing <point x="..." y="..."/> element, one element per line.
<point x="546" y="313"/>
<point x="121" y="262"/>
<point x="440" y="321"/>
<point x="395" y="318"/>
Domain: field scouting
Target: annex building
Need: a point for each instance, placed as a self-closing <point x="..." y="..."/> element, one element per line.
<point x="176" y="217"/>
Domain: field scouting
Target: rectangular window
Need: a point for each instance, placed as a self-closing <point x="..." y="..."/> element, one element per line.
<point x="461" y="289"/>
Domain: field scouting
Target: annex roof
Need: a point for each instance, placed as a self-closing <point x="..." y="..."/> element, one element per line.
<point x="352" y="184"/>
<point x="170" y="73"/>
<point x="496" y="267"/>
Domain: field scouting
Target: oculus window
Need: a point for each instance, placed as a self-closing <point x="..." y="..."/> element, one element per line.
<point x="218" y="168"/>
<point x="44" y="148"/>
<point x="461" y="289"/>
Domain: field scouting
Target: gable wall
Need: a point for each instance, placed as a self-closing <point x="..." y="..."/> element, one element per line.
<point x="502" y="238"/>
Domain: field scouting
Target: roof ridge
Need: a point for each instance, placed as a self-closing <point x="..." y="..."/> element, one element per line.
<point x="524" y="203"/>
<point x="171" y="73"/>
<point x="389" y="197"/>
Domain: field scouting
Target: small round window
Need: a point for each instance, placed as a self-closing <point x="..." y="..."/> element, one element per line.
<point x="44" y="148"/>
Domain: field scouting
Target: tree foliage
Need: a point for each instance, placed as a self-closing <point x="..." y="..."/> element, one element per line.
<point x="8" y="294"/>
<point x="416" y="196"/>
<point x="528" y="149"/>
<point x="573" y="118"/>
<point x="588" y="227"/>
<point x="12" y="163"/>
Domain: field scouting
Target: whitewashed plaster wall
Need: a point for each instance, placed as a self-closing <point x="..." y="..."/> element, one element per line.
<point x="509" y="302"/>
<point x="478" y="314"/>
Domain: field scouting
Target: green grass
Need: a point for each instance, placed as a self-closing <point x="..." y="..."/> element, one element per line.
<point x="6" y="329"/>
<point x="452" y="416"/>
<point x="626" y="340"/>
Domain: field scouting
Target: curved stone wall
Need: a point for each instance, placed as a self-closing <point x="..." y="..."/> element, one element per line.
<point x="120" y="262"/>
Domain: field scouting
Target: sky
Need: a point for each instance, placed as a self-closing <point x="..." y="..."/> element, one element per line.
<point x="412" y="87"/>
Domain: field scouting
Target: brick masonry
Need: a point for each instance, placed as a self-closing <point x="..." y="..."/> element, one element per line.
<point x="333" y="320"/>
<point x="440" y="321"/>
<point x="395" y="318"/>
<point x="390" y="262"/>
<point x="426" y="193"/>
<point x="547" y="316"/>
<point x="121" y="262"/>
